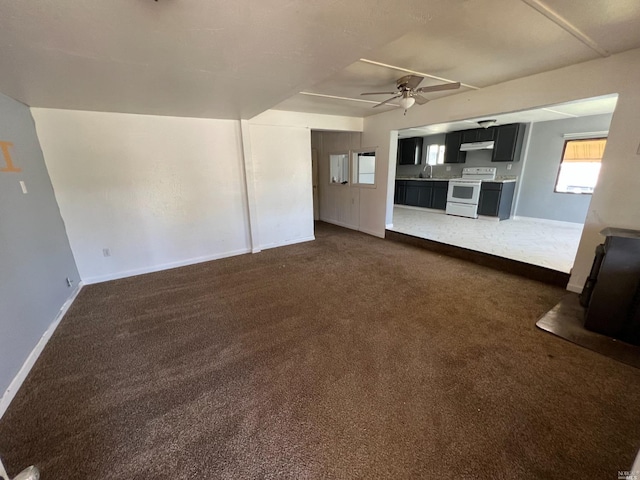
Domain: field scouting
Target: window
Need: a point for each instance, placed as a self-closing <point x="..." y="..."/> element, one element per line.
<point x="435" y="154"/>
<point x="364" y="167"/>
<point x="580" y="165"/>
<point x="339" y="168"/>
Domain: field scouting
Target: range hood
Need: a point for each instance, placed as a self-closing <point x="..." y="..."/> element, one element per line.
<point x="469" y="147"/>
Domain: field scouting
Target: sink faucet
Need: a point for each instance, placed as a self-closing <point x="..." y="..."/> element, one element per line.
<point x="430" y="171"/>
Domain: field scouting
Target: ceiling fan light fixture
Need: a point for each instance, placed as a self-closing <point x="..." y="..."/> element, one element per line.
<point x="407" y="102"/>
<point x="487" y="123"/>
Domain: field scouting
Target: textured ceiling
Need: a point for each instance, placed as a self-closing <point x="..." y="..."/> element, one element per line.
<point x="200" y="58"/>
<point x="582" y="108"/>
<point x="221" y="59"/>
<point x="482" y="43"/>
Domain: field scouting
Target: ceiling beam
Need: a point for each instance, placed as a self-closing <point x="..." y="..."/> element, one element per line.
<point x="345" y="98"/>
<point x="414" y="72"/>
<point x="566" y="25"/>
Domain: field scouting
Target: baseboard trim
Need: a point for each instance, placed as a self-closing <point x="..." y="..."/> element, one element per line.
<point x="547" y="221"/>
<point x="164" y="266"/>
<point x="340" y="224"/>
<point x="575" y="288"/>
<point x="372" y="232"/>
<point x="19" y="379"/>
<point x="289" y="242"/>
<point x="420" y="209"/>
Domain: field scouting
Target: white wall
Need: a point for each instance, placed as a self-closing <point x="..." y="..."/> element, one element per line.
<point x="311" y="120"/>
<point x="161" y="192"/>
<point x="616" y="200"/>
<point x="282" y="175"/>
<point x="157" y="191"/>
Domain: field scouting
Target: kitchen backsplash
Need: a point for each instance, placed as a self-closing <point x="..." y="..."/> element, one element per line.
<point x="479" y="158"/>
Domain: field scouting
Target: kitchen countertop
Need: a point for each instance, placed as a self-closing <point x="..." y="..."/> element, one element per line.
<point x="502" y="179"/>
<point x="424" y="179"/>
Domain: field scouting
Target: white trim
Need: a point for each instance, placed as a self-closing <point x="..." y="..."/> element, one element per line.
<point x="371" y="232"/>
<point x="572" y="287"/>
<point x="388" y="226"/>
<point x="164" y="266"/>
<point x="420" y="209"/>
<point x="524" y="157"/>
<point x="28" y="364"/>
<point x="353" y="154"/>
<point x="289" y="242"/>
<point x="567" y="26"/>
<point x="586" y="135"/>
<point x="415" y="72"/>
<point x="3" y="472"/>
<point x="487" y="218"/>
<point x="346" y="98"/>
<point x="250" y="185"/>
<point x="558" y="223"/>
<point x="340" y="224"/>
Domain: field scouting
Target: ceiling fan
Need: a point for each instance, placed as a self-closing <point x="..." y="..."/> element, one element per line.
<point x="409" y="93"/>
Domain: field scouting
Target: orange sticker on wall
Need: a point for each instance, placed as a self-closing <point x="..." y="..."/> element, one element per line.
<point x="10" y="167"/>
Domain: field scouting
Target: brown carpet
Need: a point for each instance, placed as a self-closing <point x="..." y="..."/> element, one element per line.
<point x="347" y="357"/>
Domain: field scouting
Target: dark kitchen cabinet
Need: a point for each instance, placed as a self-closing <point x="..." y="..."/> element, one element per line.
<point x="478" y="135"/>
<point x="496" y="199"/>
<point x="421" y="193"/>
<point x="400" y="193"/>
<point x="418" y="193"/>
<point x="508" y="143"/>
<point x="452" y="153"/>
<point x="440" y="195"/>
<point x="410" y="151"/>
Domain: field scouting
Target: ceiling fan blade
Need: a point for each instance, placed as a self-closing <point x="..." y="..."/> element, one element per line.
<point x="437" y="88"/>
<point x="379" y="93"/>
<point x="388" y="100"/>
<point x="420" y="100"/>
<point x="410" y="81"/>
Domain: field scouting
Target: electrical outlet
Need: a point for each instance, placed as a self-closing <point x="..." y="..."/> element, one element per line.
<point x="106" y="252"/>
<point x="69" y="282"/>
<point x="448" y="168"/>
<point x="509" y="165"/>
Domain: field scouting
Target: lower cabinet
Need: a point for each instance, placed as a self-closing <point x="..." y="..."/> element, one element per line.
<point x="496" y="199"/>
<point x="400" y="193"/>
<point x="440" y="195"/>
<point x="421" y="193"/>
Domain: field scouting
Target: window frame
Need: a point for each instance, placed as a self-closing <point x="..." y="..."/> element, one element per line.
<point x="354" y="167"/>
<point x="340" y="184"/>
<point x="576" y="138"/>
<point x="441" y="150"/>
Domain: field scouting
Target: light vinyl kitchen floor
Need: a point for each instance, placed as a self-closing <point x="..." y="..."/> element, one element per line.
<point x="529" y="240"/>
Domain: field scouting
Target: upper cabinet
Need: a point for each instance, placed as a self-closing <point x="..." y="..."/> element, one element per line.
<point x="508" y="144"/>
<point x="452" y="153"/>
<point x="410" y="151"/>
<point x="478" y="135"/>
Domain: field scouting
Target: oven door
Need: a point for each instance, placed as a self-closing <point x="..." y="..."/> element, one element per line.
<point x="464" y="192"/>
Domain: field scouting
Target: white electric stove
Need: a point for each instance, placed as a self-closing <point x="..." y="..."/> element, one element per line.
<point x="464" y="192"/>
